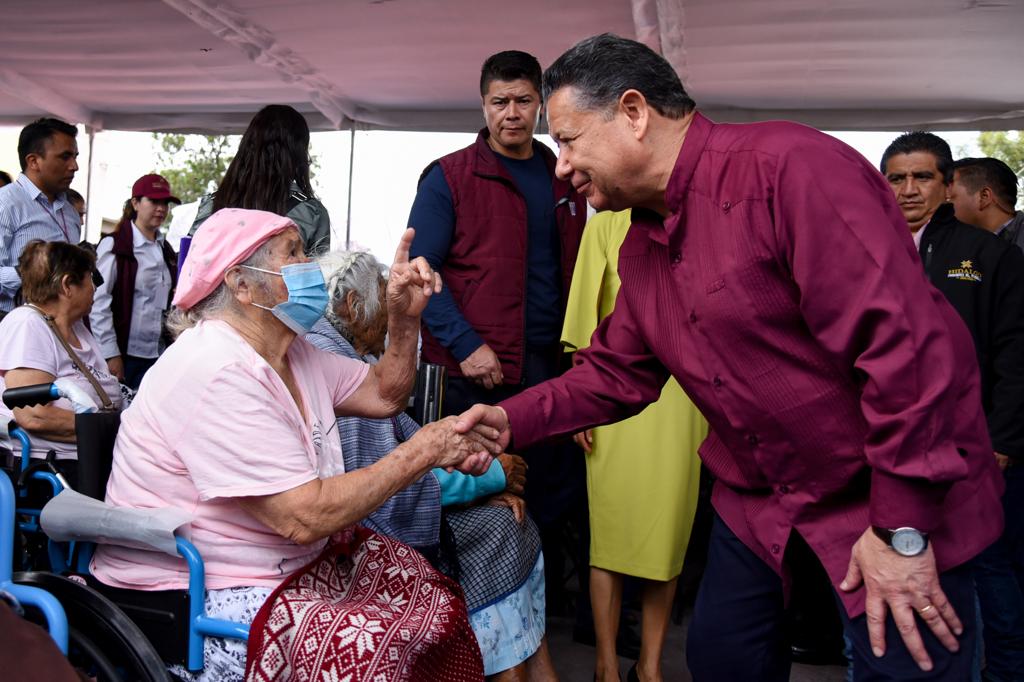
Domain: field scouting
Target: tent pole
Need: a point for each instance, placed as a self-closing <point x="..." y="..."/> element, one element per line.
<point x="351" y="165"/>
<point x="88" y="180"/>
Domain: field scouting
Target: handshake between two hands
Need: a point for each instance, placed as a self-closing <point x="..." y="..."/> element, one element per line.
<point x="467" y="443"/>
<point x="483" y="432"/>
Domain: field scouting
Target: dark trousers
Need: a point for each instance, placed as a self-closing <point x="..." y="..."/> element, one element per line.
<point x="134" y="369"/>
<point x="999" y="577"/>
<point x="738" y="632"/>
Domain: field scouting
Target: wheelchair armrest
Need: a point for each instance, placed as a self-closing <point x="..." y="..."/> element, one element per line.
<point x="73" y="516"/>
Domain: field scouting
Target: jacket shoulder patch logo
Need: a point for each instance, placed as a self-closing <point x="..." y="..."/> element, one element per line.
<point x="965" y="273"/>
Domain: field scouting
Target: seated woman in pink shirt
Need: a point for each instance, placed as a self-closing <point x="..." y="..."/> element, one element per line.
<point x="46" y="340"/>
<point x="236" y="425"/>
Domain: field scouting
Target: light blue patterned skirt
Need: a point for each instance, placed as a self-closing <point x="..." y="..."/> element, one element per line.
<point x="511" y="630"/>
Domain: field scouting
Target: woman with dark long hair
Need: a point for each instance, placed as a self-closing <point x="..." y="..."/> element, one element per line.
<point x="270" y="172"/>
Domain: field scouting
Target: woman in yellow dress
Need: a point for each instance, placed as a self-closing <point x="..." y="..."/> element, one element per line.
<point x="642" y="473"/>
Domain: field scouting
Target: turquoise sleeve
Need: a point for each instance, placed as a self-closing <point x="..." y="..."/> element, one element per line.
<point x="460" y="488"/>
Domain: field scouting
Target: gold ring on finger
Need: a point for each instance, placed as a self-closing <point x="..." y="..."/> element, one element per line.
<point x="926" y="609"/>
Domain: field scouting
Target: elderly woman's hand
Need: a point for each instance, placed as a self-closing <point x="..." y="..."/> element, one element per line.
<point x="410" y="284"/>
<point x="450" y="449"/>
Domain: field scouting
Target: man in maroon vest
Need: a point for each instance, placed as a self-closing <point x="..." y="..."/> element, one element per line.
<point x="503" y="231"/>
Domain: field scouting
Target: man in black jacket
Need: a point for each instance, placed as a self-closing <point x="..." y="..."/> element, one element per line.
<point x="982" y="276"/>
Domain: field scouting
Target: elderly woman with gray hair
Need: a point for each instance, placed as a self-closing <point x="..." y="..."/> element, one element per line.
<point x="235" y="424"/>
<point x="496" y="557"/>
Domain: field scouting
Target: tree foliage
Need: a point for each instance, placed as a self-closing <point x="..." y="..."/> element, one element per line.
<point x="1008" y="148"/>
<point x="194" y="164"/>
<point x="1005" y="147"/>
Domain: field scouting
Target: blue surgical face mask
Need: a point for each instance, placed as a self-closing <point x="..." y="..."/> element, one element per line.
<point x="307" y="296"/>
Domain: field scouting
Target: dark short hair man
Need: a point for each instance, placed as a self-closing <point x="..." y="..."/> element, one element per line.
<point x="983" y="278"/>
<point x="504" y="232"/>
<point x="35" y="206"/>
<point x="769" y="270"/>
<point x="984" y="194"/>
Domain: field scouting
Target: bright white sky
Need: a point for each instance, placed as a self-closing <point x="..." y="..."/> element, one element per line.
<point x="387" y="167"/>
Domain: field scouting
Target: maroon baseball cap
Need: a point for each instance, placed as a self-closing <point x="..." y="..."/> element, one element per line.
<point x="155" y="187"/>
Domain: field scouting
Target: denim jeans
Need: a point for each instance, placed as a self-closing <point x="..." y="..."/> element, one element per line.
<point x="999" y="577"/>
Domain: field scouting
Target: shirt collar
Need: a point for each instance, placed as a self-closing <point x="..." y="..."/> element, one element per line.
<point x="920" y="235"/>
<point x="139" y="239"/>
<point x="1006" y="224"/>
<point x="664" y="230"/>
<point x="37" y="194"/>
<point x="686" y="163"/>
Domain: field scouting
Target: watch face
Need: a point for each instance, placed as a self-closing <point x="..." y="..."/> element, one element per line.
<point x="908" y="542"/>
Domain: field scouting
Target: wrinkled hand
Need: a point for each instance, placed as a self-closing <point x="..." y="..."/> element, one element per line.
<point x="115" y="366"/>
<point x="902" y="585"/>
<point x="515" y="468"/>
<point x="483" y="367"/>
<point x="1003" y="461"/>
<point x="513" y="502"/>
<point x="470" y="452"/>
<point x="410" y="284"/>
<point x="490" y="420"/>
<point x="585" y="439"/>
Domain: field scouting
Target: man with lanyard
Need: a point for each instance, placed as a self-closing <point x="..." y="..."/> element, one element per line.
<point x="504" y="232"/>
<point x="35" y="205"/>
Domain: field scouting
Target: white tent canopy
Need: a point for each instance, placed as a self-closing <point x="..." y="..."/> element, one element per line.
<point x="208" y="65"/>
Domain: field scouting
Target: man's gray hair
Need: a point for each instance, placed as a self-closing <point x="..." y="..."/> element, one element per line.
<point x="601" y="68"/>
<point x="222" y="299"/>
<point x="346" y="271"/>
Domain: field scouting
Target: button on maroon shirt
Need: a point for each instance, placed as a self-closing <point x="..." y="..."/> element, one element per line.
<point x="784" y="293"/>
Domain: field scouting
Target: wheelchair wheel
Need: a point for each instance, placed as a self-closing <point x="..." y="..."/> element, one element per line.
<point x="102" y="642"/>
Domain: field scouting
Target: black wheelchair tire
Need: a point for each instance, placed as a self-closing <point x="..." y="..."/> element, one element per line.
<point x="110" y="631"/>
<point x="82" y="649"/>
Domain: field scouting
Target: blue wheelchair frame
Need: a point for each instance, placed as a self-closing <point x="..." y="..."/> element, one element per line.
<point x="200" y="625"/>
<point x="56" y="619"/>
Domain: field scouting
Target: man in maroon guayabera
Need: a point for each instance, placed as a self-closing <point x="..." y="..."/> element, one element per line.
<point x="770" y="271"/>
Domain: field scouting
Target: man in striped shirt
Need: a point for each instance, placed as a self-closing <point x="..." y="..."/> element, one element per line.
<point x="35" y="205"/>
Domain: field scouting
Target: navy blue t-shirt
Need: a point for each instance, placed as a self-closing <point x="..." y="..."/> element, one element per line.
<point x="433" y="216"/>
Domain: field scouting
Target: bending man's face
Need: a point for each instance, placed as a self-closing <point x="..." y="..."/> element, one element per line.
<point x="594" y="151"/>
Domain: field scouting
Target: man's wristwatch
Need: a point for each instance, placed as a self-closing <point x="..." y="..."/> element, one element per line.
<point x="904" y="541"/>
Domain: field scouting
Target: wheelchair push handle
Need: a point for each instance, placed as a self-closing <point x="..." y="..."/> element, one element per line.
<point x="25" y="396"/>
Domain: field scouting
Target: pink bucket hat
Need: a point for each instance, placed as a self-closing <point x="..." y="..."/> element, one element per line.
<point x="226" y="239"/>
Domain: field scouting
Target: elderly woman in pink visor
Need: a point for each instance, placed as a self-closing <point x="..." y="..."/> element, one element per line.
<point x="234" y="425"/>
